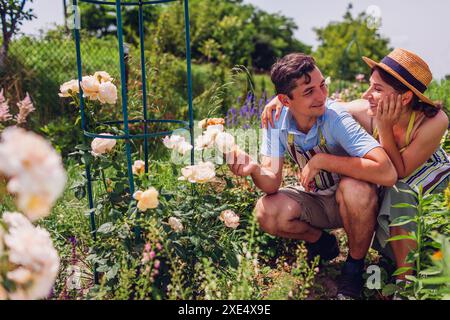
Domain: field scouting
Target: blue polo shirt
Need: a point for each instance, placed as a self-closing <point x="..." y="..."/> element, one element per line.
<point x="344" y="136"/>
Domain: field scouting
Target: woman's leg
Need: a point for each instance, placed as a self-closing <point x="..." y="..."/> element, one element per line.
<point x="401" y="248"/>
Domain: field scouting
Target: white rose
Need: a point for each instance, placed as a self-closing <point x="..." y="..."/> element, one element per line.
<point x="35" y="206"/>
<point x="224" y="142"/>
<point x="138" y="167"/>
<point x="107" y="93"/>
<point x="103" y="76"/>
<point x="184" y="147"/>
<point x="90" y="86"/>
<point x="204" y="141"/>
<point x="215" y="128"/>
<point x="102" y="145"/>
<point x="172" y="141"/>
<point x="230" y="218"/>
<point x="35" y="171"/>
<point x="20" y="276"/>
<point x="200" y="173"/>
<point x="146" y="199"/>
<point x="32" y="249"/>
<point x="202" y="124"/>
<point x="175" y="224"/>
<point x="69" y="88"/>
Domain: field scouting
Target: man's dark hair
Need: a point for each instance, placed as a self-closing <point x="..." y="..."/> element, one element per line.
<point x="286" y="71"/>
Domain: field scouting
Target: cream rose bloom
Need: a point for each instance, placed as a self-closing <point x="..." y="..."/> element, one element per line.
<point x="183" y="147"/>
<point x="178" y="143"/>
<point x="103" y="76"/>
<point x="33" y="260"/>
<point x="107" y="93"/>
<point x="204" y="141"/>
<point x="230" y="219"/>
<point x="209" y="137"/>
<point x="69" y="88"/>
<point x="200" y="173"/>
<point x="35" y="171"/>
<point x="175" y="224"/>
<point x="203" y="124"/>
<point x="102" y="145"/>
<point x="224" y="142"/>
<point x="138" y="167"/>
<point x="90" y="86"/>
<point x="172" y="141"/>
<point x="146" y="199"/>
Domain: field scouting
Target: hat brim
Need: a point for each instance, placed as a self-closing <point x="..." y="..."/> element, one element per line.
<point x="371" y="63"/>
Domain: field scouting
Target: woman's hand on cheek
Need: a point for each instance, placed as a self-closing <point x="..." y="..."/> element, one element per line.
<point x="388" y="111"/>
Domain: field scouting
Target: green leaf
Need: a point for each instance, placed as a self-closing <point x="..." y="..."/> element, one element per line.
<point x="103" y="268"/>
<point x="427" y="201"/>
<point x="411" y="278"/>
<point x="401" y="270"/>
<point x="82" y="147"/>
<point x="400" y="221"/>
<point x="106" y="228"/>
<point x="404" y="205"/>
<point x="229" y="182"/>
<point x="389" y="289"/>
<point x="402" y="237"/>
<point x="414" y="194"/>
<point x="112" y="272"/>
<point x="430" y="271"/>
<point x="436" y="280"/>
<point x="87" y="158"/>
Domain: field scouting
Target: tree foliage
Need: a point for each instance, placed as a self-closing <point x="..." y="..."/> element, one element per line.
<point x="226" y="32"/>
<point x="342" y="44"/>
<point x="12" y="15"/>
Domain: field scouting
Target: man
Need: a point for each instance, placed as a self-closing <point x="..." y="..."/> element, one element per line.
<point x="340" y="167"/>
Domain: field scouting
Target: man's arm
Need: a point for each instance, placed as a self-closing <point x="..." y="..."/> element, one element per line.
<point x="359" y="111"/>
<point x="267" y="176"/>
<point x="374" y="167"/>
<point x="366" y="159"/>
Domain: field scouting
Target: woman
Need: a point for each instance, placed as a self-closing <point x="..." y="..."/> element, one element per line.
<point x="410" y="128"/>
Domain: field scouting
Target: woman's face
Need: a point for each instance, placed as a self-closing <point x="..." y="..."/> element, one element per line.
<point x="378" y="89"/>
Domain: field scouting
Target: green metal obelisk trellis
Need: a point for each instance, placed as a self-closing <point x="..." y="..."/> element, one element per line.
<point x="146" y="120"/>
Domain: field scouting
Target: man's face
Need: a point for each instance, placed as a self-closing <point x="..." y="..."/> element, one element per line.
<point x="308" y="99"/>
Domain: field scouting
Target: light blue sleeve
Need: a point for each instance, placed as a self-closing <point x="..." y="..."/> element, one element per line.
<point x="271" y="141"/>
<point x="351" y="136"/>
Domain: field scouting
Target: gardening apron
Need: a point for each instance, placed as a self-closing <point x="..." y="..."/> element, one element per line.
<point x="324" y="183"/>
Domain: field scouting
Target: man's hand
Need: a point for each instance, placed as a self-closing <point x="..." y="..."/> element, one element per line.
<point x="309" y="172"/>
<point x="241" y="164"/>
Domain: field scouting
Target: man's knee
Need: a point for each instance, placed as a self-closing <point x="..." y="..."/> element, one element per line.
<point x="274" y="212"/>
<point x="357" y="194"/>
<point x="265" y="215"/>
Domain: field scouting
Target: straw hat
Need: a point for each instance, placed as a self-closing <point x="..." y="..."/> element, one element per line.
<point x="409" y="69"/>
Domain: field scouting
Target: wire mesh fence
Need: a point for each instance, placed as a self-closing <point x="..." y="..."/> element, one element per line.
<point x="39" y="66"/>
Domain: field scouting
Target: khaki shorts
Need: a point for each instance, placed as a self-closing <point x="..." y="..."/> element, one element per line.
<point x="320" y="211"/>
